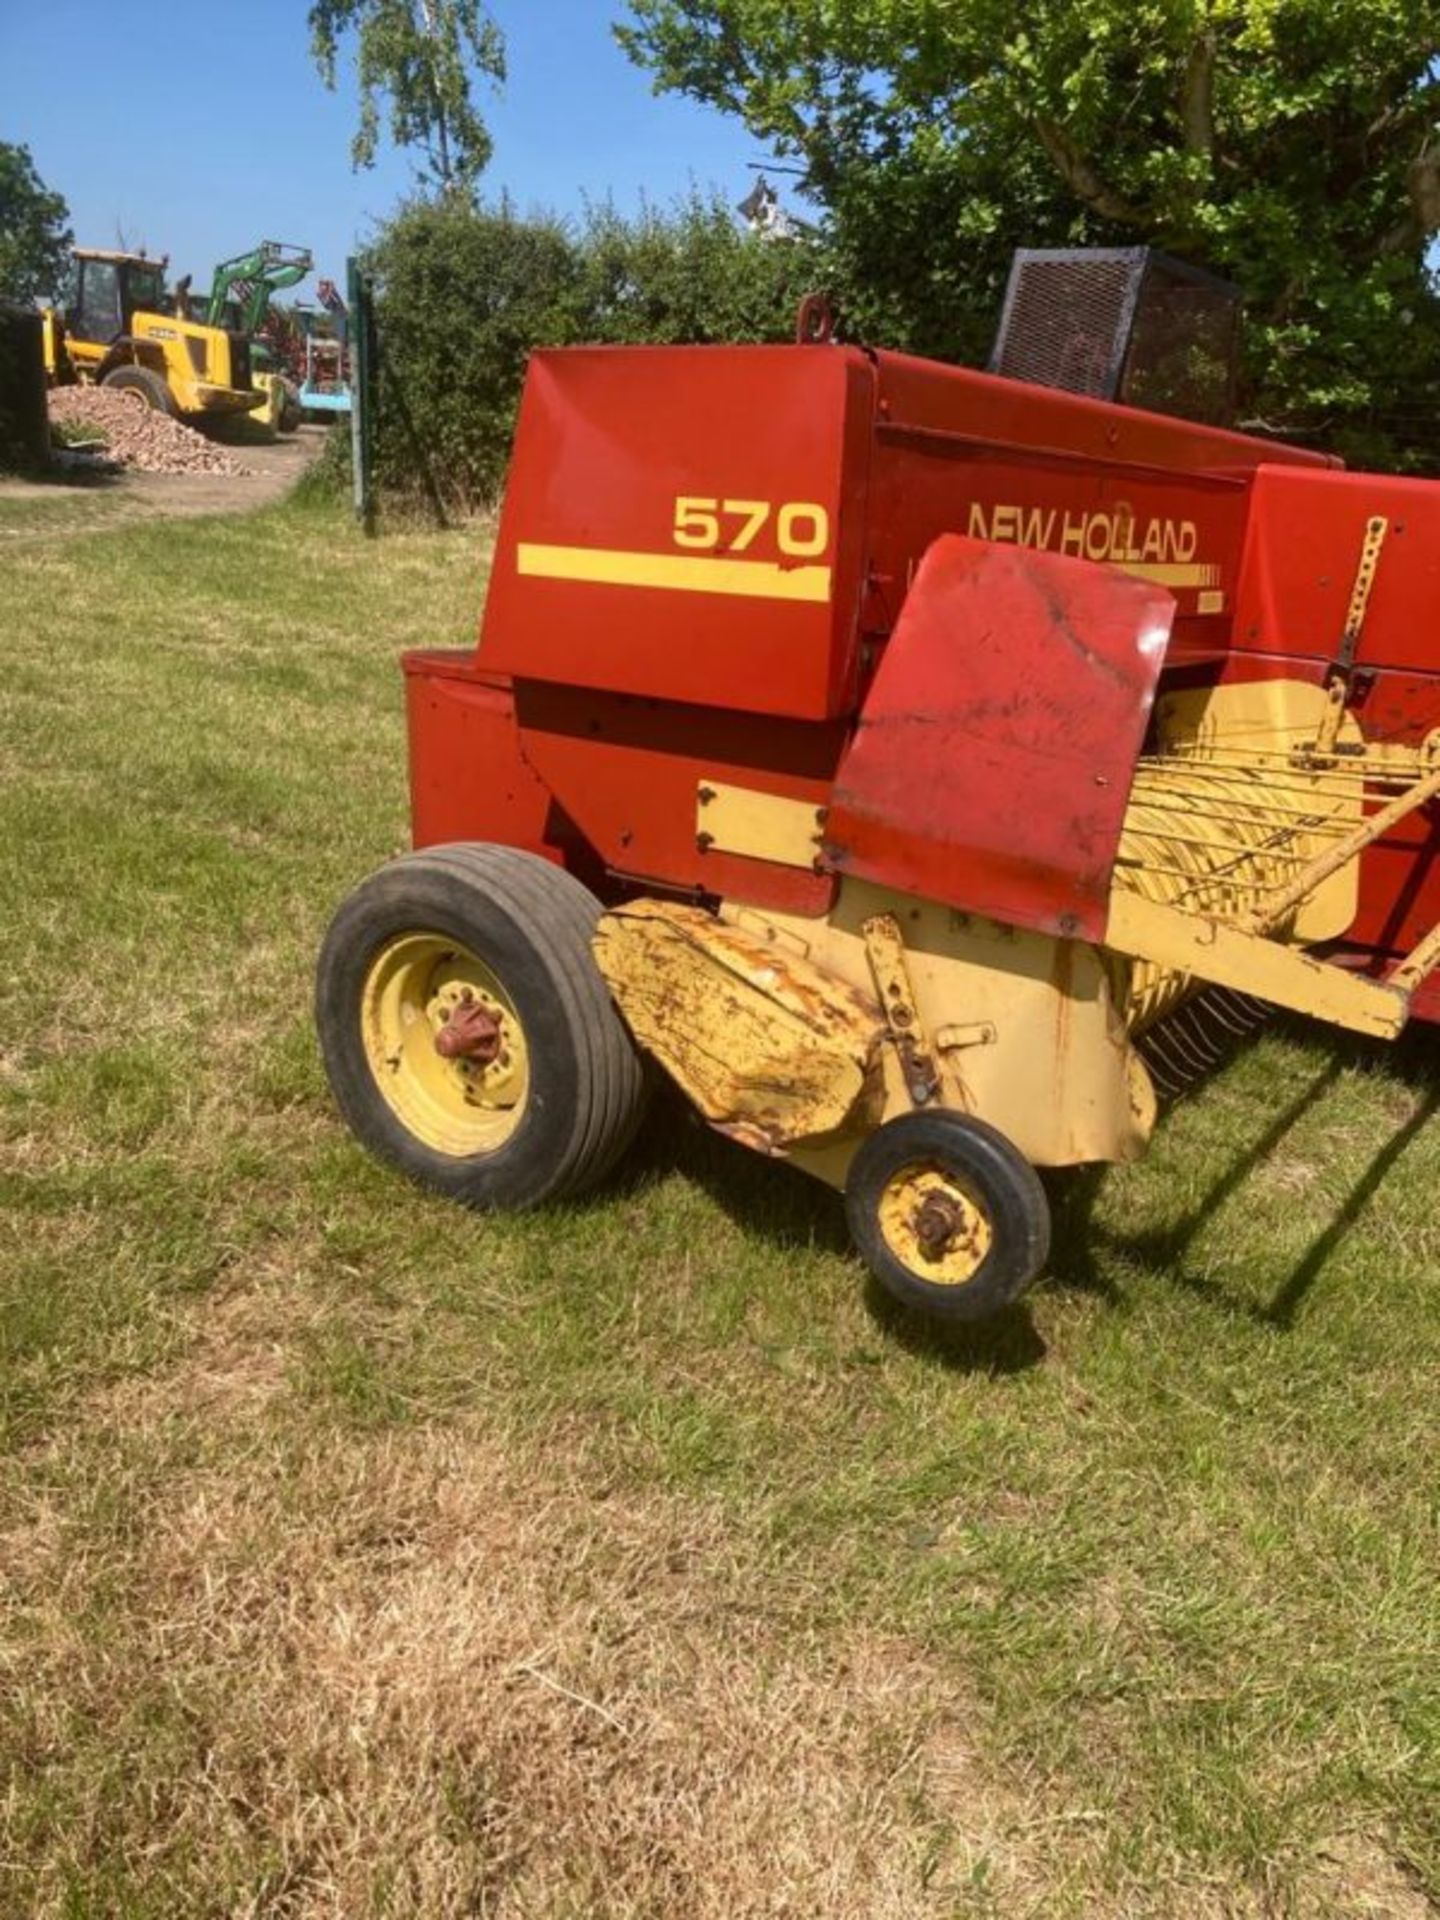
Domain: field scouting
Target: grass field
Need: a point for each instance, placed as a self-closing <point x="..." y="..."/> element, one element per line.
<point x="361" y="1557"/>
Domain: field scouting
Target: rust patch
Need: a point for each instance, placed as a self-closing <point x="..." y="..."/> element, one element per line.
<point x="772" y="1049"/>
<point x="472" y="1032"/>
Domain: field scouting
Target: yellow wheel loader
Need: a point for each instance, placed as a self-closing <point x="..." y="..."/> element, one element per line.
<point x="114" y="329"/>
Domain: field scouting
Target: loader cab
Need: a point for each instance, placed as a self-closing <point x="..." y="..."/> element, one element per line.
<point x="106" y="290"/>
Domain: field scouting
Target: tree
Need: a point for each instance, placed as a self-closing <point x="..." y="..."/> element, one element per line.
<point x="34" y="234"/>
<point x="1290" y="144"/>
<point x="423" y="55"/>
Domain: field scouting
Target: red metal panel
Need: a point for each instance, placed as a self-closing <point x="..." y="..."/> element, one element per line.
<point x="467" y="779"/>
<point x="963" y="452"/>
<point x="628" y="773"/>
<point x="997" y="743"/>
<point x="687" y="523"/>
<point x="1301" y="554"/>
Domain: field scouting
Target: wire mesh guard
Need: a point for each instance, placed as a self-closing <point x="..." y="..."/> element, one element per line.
<point x="1121" y="323"/>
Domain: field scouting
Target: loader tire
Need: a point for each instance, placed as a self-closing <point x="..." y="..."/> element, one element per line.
<point x="145" y="384"/>
<point x="467" y="1032"/>
<point x="949" y="1217"/>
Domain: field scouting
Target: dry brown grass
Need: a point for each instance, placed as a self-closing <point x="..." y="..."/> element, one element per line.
<point x="443" y="1674"/>
<point x="439" y="1675"/>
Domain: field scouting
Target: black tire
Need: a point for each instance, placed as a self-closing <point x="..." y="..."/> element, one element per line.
<point x="997" y="1180"/>
<point x="144" y="382"/>
<point x="291" y="413"/>
<point x="530" y="924"/>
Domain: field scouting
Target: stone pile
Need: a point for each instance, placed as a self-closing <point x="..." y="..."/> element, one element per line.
<point x="135" y="435"/>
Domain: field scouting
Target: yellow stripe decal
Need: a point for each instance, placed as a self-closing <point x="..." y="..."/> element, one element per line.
<point x="676" y="572"/>
<point x="1168" y="575"/>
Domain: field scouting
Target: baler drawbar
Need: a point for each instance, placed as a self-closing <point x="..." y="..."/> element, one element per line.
<point x="895" y="754"/>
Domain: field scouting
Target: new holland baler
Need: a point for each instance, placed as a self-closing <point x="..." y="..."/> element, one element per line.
<point x="889" y="751"/>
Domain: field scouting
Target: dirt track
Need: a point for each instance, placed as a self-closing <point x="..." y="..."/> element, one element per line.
<point x="275" y="466"/>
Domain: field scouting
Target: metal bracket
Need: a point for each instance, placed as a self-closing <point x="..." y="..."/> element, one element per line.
<point x="762" y="826"/>
<point x="979" y="1033"/>
<point x="1376" y="528"/>
<point x="885" y="950"/>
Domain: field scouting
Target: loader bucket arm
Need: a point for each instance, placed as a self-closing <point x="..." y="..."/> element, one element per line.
<point x="252" y="279"/>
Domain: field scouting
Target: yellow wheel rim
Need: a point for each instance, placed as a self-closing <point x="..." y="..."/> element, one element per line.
<point x="418" y="985"/>
<point x="935" y="1225"/>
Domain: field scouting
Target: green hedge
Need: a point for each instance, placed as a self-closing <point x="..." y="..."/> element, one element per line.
<point x="465" y="292"/>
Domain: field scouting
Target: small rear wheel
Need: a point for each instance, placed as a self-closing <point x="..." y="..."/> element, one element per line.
<point x="467" y="1032"/>
<point x="142" y="384"/>
<point x="948" y="1216"/>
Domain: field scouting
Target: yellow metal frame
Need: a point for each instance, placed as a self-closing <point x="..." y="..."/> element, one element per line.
<point x="773" y="1025"/>
<point x="772" y="1049"/>
<point x="1418" y="964"/>
<point x="799" y="1037"/>
<point x="1345" y="853"/>
<point x="1190" y="945"/>
<point x="1284" y="870"/>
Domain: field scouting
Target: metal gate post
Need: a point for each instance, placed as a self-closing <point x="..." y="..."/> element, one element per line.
<point x="359" y="293"/>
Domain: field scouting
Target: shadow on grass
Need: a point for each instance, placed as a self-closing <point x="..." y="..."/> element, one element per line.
<point x="70" y="472"/>
<point x="1008" y="1343"/>
<point x="1161" y="1252"/>
<point x="793" y="1213"/>
<point x="767" y="1199"/>
<point x="1283" y="1308"/>
<point x="790" y="1212"/>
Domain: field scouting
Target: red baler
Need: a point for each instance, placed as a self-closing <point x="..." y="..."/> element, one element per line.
<point x="890" y="751"/>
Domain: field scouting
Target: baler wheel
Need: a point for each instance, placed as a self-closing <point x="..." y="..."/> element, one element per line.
<point x="947" y="1215"/>
<point x="467" y="1032"/>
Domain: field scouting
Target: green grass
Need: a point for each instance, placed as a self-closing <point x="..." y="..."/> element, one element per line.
<point x="362" y="1556"/>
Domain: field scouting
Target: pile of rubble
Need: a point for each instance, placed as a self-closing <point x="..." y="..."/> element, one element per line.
<point x="135" y="435"/>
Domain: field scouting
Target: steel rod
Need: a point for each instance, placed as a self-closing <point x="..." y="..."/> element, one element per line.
<point x="1421" y="960"/>
<point x="1345" y="851"/>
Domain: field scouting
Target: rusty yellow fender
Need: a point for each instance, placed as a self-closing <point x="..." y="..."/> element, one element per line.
<point x="772" y="1050"/>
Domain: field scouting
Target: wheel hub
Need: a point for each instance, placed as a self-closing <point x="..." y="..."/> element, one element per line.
<point x="934" y="1225"/>
<point x="470" y="1031"/>
<point x="445" y="1044"/>
<point x="939" y="1222"/>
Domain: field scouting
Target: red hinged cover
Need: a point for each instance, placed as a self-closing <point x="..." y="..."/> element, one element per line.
<point x="687" y="523"/>
<point x="998" y="741"/>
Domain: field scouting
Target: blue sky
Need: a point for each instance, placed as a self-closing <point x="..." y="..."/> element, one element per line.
<point x="199" y="130"/>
